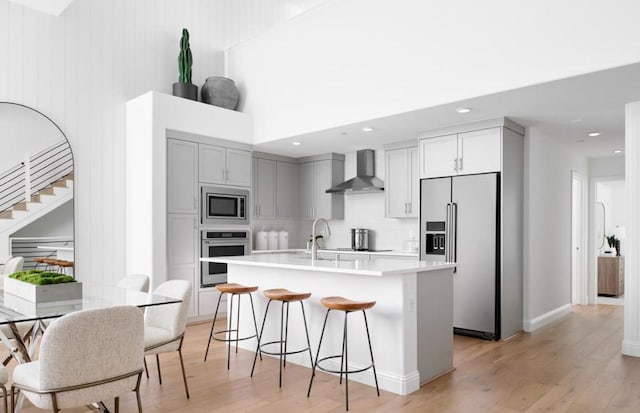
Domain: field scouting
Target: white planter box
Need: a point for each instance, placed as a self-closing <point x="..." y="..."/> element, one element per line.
<point x="43" y="293"/>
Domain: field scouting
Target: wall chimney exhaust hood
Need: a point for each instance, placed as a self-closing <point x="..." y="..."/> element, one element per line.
<point x="364" y="181"/>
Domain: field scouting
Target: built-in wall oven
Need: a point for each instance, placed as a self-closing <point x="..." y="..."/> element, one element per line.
<point x="221" y="243"/>
<point x="224" y="206"/>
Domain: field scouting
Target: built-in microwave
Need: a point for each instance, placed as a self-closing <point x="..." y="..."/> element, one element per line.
<point x="224" y="206"/>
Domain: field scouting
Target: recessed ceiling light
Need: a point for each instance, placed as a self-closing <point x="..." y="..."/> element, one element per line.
<point x="367" y="128"/>
<point x="296" y="143"/>
<point x="463" y="110"/>
<point x="616" y="151"/>
<point x="592" y="134"/>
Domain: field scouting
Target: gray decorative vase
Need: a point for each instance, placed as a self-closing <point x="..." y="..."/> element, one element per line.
<point x="220" y="91"/>
<point x="185" y="90"/>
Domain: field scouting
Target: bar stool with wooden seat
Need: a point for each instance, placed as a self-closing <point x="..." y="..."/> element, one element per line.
<point x="40" y="261"/>
<point x="285" y="297"/>
<point x="348" y="306"/>
<point x="50" y="263"/>
<point x="63" y="265"/>
<point x="235" y="290"/>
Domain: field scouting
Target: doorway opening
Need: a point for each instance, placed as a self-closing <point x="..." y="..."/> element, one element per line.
<point x="609" y="233"/>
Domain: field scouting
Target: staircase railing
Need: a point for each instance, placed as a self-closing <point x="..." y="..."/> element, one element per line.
<point x="35" y="173"/>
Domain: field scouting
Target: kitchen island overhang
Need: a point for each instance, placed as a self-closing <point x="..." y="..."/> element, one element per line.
<point x="411" y="325"/>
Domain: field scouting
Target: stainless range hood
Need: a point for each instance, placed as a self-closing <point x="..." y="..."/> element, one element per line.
<point x="364" y="181"/>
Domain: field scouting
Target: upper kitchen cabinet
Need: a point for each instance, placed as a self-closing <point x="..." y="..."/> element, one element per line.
<point x="182" y="177"/>
<point x="264" y="188"/>
<point x="464" y="153"/>
<point x="316" y="175"/>
<point x="402" y="182"/>
<point x="225" y="166"/>
<point x="275" y="186"/>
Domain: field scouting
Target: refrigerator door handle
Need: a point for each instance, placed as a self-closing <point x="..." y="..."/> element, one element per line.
<point x="447" y="232"/>
<point x="454" y="232"/>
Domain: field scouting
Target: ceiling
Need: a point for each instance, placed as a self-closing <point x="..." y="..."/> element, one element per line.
<point x="53" y="7"/>
<point x="567" y="110"/>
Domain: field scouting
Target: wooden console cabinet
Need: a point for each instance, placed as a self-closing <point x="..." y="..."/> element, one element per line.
<point x="611" y="276"/>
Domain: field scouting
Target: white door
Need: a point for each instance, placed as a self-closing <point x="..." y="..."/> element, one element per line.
<point x="479" y="151"/>
<point x="579" y="279"/>
<point x="212" y="165"/>
<point x="238" y="167"/>
<point x="182" y="177"/>
<point x="439" y="156"/>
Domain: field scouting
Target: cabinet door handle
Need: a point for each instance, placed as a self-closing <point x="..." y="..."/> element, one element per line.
<point x="409" y="207"/>
<point x="455" y="164"/>
<point x="460" y="167"/>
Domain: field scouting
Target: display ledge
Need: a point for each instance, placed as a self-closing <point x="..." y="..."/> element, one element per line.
<point x="392" y="253"/>
<point x="369" y="265"/>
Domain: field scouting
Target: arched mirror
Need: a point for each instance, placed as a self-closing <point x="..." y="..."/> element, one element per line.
<point x="36" y="189"/>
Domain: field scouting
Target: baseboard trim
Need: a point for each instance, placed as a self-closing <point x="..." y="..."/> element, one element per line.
<point x="631" y="348"/>
<point x="549" y="317"/>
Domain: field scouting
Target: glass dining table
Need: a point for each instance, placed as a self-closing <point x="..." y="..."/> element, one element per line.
<point x="21" y="320"/>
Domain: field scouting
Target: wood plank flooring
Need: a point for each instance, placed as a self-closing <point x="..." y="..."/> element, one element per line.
<point x="573" y="365"/>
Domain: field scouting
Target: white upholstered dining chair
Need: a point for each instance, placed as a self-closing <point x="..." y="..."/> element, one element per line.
<point x="4" y="378"/>
<point x="85" y="357"/>
<point x="135" y="282"/>
<point x="164" y="325"/>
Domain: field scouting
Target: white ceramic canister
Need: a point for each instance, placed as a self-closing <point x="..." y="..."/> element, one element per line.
<point x="273" y="240"/>
<point x="283" y="240"/>
<point x="262" y="240"/>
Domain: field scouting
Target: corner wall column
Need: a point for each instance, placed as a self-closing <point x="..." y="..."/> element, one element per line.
<point x="631" y="341"/>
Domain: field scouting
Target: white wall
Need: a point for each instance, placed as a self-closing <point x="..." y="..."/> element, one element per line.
<point x="606" y="167"/>
<point x="349" y="61"/>
<point x="364" y="211"/>
<point x="547" y="269"/>
<point x="57" y="223"/>
<point x="80" y="69"/>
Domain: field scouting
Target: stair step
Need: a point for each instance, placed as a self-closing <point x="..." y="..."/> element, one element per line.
<point x="6" y="215"/>
<point x="60" y="184"/>
<point x="69" y="176"/>
<point x="22" y="206"/>
<point x="47" y="191"/>
<point x="35" y="198"/>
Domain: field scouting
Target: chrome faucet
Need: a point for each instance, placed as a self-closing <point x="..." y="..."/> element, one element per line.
<point x="314" y="242"/>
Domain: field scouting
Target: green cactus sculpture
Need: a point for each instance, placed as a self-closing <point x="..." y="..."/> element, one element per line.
<point x="185" y="59"/>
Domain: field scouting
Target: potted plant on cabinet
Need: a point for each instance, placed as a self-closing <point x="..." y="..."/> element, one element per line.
<point x="183" y="87"/>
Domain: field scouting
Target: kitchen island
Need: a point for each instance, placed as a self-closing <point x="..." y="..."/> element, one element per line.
<point x="411" y="324"/>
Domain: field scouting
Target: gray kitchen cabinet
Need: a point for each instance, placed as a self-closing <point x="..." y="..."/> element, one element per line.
<point x="264" y="189"/>
<point x="402" y="192"/>
<point x="182" y="177"/>
<point x="225" y="166"/>
<point x="182" y="251"/>
<point x="316" y="175"/>
<point x="464" y="153"/>
<point x="286" y="189"/>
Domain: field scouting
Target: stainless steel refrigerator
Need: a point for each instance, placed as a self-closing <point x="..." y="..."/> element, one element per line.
<point x="460" y="222"/>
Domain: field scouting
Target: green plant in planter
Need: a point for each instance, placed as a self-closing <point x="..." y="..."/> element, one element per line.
<point x="185" y="59"/>
<point x="611" y="240"/>
<point x="38" y="277"/>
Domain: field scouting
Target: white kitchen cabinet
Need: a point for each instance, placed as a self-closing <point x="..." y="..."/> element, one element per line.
<point x="264" y="189"/>
<point x="286" y="189"/>
<point x="226" y="166"/>
<point x="182" y="177"/>
<point x="402" y="191"/>
<point x="461" y="154"/>
<point x="183" y="250"/>
<point x="315" y="177"/>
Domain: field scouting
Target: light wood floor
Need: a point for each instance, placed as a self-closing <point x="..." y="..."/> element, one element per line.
<point x="574" y="365"/>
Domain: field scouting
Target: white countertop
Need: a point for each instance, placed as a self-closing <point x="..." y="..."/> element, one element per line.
<point x="367" y="265"/>
<point x="395" y="253"/>
<point x="55" y="247"/>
